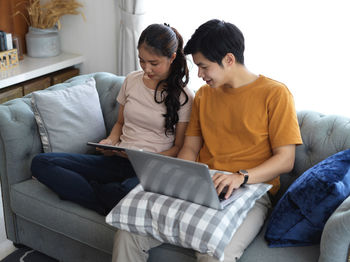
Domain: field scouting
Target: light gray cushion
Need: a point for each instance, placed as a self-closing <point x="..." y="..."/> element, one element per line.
<point x="183" y="223"/>
<point x="37" y="203"/>
<point x="69" y="118"/>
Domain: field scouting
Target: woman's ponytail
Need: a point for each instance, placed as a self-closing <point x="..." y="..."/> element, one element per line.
<point x="175" y="84"/>
<point x="166" y="41"/>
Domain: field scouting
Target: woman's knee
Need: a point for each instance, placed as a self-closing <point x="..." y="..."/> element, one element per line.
<point x="43" y="162"/>
<point x="39" y="163"/>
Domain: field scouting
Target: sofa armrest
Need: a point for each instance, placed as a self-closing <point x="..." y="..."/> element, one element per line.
<point x="335" y="240"/>
<point x="20" y="139"/>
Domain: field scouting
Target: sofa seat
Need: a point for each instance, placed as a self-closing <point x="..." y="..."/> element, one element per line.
<point x="258" y="250"/>
<point x="36" y="203"/>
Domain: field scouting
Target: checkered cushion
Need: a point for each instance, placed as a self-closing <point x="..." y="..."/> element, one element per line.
<point x="183" y="223"/>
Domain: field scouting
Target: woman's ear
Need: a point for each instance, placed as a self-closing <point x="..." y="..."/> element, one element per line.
<point x="172" y="58"/>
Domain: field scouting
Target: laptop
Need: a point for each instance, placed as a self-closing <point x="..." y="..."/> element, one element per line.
<point x="178" y="178"/>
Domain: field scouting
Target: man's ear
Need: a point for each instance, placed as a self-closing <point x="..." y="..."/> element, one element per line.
<point x="229" y="59"/>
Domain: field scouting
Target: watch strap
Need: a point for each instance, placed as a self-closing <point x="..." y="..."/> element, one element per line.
<point x="245" y="180"/>
<point x="244" y="173"/>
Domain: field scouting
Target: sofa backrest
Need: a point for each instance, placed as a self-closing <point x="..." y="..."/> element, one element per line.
<point x="323" y="136"/>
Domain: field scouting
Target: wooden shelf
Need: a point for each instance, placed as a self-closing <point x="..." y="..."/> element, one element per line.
<point x="30" y="68"/>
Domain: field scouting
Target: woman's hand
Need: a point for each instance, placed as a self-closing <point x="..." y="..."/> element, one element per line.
<point x="120" y="153"/>
<point x="230" y="181"/>
<point x="106" y="141"/>
<point x="106" y="152"/>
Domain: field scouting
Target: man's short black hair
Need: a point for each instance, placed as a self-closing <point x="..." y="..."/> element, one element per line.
<point x="214" y="39"/>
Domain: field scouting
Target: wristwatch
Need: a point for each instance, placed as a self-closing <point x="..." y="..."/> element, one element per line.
<point x="244" y="173"/>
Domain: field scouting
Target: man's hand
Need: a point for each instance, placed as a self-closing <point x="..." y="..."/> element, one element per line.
<point x="231" y="181"/>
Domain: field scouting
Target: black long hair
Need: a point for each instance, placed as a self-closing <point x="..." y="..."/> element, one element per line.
<point x="165" y="41"/>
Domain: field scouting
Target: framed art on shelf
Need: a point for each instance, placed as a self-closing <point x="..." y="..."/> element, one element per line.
<point x="8" y="59"/>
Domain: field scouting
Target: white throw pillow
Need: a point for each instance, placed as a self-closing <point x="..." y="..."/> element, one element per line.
<point x="183" y="223"/>
<point x="68" y="118"/>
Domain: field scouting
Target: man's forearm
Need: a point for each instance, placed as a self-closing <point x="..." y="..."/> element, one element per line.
<point x="187" y="154"/>
<point x="191" y="148"/>
<point x="281" y="162"/>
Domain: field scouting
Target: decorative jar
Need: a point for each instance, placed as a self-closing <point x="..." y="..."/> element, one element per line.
<point x="43" y="42"/>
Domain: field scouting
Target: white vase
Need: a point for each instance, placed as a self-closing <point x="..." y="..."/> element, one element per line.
<point x="43" y="42"/>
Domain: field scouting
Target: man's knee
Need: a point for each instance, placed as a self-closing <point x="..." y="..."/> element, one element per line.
<point x="126" y="240"/>
<point x="130" y="247"/>
<point x="205" y="258"/>
<point x="123" y="237"/>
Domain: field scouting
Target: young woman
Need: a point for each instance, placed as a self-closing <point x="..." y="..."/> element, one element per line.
<point x="154" y="110"/>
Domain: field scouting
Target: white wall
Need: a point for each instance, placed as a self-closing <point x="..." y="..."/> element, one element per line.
<point x="95" y="38"/>
<point x="304" y="44"/>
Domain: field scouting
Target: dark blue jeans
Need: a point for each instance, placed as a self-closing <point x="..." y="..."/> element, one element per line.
<point x="96" y="182"/>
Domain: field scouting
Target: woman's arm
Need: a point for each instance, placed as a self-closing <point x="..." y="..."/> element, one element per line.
<point x="116" y="132"/>
<point x="180" y="130"/>
<point x="114" y="136"/>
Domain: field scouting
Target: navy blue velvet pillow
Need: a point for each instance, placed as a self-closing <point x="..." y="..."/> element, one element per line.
<point x="300" y="215"/>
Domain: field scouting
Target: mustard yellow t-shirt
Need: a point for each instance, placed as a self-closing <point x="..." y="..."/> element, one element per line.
<point x="241" y="126"/>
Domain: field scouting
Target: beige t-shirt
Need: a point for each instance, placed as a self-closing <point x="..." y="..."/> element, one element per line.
<point x="143" y="118"/>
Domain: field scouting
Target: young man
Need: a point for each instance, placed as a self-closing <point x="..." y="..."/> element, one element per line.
<point x="240" y="122"/>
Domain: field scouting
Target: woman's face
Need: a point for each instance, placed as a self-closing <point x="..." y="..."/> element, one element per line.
<point x="156" y="67"/>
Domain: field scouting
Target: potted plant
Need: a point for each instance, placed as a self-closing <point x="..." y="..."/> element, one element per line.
<point x="43" y="20"/>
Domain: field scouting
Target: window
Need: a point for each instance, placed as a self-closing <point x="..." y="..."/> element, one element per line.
<point x="304" y="44"/>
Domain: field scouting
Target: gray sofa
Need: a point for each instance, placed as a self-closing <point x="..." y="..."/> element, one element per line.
<point x="37" y="218"/>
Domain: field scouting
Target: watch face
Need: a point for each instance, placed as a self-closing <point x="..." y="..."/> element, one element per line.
<point x="243" y="172"/>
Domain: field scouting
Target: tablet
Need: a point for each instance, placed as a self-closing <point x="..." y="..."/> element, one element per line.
<point x="106" y="147"/>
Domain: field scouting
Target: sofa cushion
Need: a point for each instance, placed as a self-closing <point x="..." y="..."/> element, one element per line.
<point x="259" y="250"/>
<point x="300" y="215"/>
<point x="183" y="223"/>
<point x="69" y="118"/>
<point x="35" y="202"/>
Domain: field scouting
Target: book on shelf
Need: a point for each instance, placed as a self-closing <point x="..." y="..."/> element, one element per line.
<point x="2" y="41"/>
<point x="5" y="41"/>
<point x="8" y="41"/>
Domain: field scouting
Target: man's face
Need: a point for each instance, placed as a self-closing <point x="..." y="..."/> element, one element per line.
<point x="212" y="73"/>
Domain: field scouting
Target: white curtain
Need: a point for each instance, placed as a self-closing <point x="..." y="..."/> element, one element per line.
<point x="131" y="25"/>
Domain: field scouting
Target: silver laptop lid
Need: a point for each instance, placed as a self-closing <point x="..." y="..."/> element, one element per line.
<point x="174" y="177"/>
